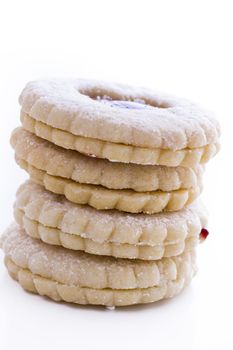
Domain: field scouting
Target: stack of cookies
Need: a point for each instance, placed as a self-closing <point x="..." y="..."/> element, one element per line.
<point x="110" y="214"/>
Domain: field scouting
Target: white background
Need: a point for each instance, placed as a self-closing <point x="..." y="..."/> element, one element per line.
<point x="182" y="47"/>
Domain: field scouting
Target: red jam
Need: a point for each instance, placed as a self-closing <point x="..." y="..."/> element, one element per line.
<point x="203" y="234"/>
<point x="139" y="104"/>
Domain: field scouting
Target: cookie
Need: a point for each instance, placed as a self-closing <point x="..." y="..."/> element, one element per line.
<point x="120" y="123"/>
<point x="57" y="221"/>
<point x="53" y="236"/>
<point x="120" y="152"/>
<point x="102" y="198"/>
<point x="73" y="165"/>
<point x="77" y="277"/>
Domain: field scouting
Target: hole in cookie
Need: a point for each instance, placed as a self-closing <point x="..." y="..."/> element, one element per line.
<point x="116" y="100"/>
<point x="135" y="104"/>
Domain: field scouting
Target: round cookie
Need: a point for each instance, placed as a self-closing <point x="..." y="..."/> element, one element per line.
<point x="57" y="221"/>
<point x="78" y="277"/>
<point x="72" y="165"/>
<point x="120" y="123"/>
<point x="102" y="198"/>
<point x="46" y="163"/>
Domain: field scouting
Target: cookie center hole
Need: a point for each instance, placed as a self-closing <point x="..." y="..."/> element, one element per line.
<point x="118" y="101"/>
<point x="128" y="104"/>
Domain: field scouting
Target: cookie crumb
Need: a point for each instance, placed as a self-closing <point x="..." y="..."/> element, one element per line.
<point x="110" y="308"/>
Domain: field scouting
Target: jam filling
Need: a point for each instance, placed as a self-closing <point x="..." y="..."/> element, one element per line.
<point x="137" y="104"/>
<point x="203" y="234"/>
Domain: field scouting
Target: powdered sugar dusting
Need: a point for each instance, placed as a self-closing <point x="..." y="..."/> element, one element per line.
<point x="81" y="269"/>
<point x="181" y="124"/>
<point x="119" y="218"/>
<point x="65" y="163"/>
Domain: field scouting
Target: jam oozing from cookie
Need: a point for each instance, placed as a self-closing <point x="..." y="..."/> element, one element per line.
<point x="203" y="234"/>
<point x="137" y="104"/>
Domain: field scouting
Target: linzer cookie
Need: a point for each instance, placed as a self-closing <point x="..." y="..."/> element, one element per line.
<point x="77" y="277"/>
<point x="81" y="180"/>
<point x="72" y="165"/>
<point x="57" y="221"/>
<point x="103" y="198"/>
<point x="119" y="123"/>
<point x="109" y="215"/>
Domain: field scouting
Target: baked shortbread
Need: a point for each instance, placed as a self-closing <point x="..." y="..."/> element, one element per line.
<point x="57" y="221"/>
<point x="82" y="179"/>
<point x="77" y="277"/>
<point x="73" y="165"/>
<point x="102" y="198"/>
<point x="120" y="123"/>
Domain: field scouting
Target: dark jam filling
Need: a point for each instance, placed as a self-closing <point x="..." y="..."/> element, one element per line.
<point x="204" y="234"/>
<point x="138" y="104"/>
